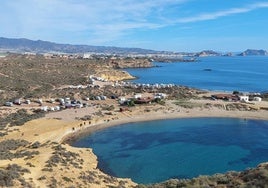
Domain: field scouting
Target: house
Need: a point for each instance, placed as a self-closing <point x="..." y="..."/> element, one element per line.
<point x="122" y="100"/>
<point x="160" y="95"/>
<point x="137" y="96"/>
<point x="44" y="108"/>
<point x="258" y="99"/>
<point x="87" y="56"/>
<point x="244" y="98"/>
<point x="61" y="101"/>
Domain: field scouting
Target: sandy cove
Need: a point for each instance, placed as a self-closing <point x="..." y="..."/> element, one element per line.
<point x="142" y="115"/>
<point x="60" y="127"/>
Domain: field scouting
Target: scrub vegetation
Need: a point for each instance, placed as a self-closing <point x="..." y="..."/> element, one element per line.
<point x="251" y="178"/>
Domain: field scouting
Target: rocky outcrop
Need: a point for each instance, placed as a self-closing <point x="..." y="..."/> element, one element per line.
<point x="130" y="63"/>
<point x="114" y="75"/>
<point x="229" y="54"/>
<point x="249" y="52"/>
<point x="207" y="53"/>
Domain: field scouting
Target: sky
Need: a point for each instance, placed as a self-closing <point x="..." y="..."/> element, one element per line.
<point x="170" y="25"/>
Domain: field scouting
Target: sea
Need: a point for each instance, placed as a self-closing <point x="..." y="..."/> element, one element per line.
<point x="155" y="151"/>
<point x="235" y="73"/>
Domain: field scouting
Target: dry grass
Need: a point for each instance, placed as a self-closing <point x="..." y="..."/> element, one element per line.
<point x="35" y="76"/>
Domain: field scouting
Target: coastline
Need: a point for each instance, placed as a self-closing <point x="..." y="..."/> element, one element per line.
<point x="43" y="146"/>
<point x="63" y="127"/>
<point x="100" y="124"/>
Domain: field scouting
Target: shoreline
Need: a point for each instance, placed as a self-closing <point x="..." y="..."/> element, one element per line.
<point x="71" y="137"/>
<point x="64" y="127"/>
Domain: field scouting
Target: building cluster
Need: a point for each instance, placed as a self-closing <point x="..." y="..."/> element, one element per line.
<point x="111" y="55"/>
<point x="140" y="99"/>
<point x="146" y="86"/>
<point x="238" y="97"/>
<point x="67" y="103"/>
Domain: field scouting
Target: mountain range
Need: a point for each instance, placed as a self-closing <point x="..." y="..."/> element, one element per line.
<point x="39" y="46"/>
<point x="21" y="45"/>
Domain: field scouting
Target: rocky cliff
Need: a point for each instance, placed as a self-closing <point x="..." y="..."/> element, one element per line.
<point x="130" y="63"/>
<point x="114" y="75"/>
<point x="253" y="52"/>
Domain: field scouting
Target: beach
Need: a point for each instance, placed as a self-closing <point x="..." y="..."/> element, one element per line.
<point x="141" y="115"/>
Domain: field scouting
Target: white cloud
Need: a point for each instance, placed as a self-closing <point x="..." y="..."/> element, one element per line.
<point x="215" y="15"/>
<point x="103" y="20"/>
<point x="98" y="21"/>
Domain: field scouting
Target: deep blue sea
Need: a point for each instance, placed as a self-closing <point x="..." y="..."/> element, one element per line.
<point x="249" y="73"/>
<point x="155" y="151"/>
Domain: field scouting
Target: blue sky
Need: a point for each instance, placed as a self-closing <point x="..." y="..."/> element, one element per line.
<point x="174" y="25"/>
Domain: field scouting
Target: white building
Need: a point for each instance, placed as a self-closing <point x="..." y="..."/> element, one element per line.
<point x="28" y="101"/>
<point x="121" y="100"/>
<point x="244" y="98"/>
<point x="44" y="108"/>
<point x="160" y="95"/>
<point x="87" y="56"/>
<point x="138" y="95"/>
<point x="258" y="99"/>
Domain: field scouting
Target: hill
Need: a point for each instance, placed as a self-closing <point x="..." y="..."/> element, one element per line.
<point x="39" y="46"/>
<point x="249" y="52"/>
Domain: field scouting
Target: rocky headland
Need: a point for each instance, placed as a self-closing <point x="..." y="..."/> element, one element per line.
<point x="120" y="63"/>
<point x="250" y="52"/>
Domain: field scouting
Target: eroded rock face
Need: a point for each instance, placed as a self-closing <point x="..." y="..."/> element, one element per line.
<point x="130" y="63"/>
<point x="114" y="75"/>
<point x="110" y="72"/>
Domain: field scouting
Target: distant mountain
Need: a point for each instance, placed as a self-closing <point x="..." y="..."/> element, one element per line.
<point x="39" y="46"/>
<point x="207" y="53"/>
<point x="249" y="52"/>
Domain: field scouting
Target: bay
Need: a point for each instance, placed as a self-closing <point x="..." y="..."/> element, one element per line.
<point x="155" y="151"/>
<point x="246" y="74"/>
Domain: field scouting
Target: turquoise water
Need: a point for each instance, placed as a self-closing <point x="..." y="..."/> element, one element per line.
<point x="227" y="73"/>
<point x="155" y="151"/>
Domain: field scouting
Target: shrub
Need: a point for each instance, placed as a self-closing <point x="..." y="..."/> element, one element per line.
<point x="35" y="145"/>
<point x="67" y="179"/>
<point x="8" y="145"/>
<point x="11" y="173"/>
